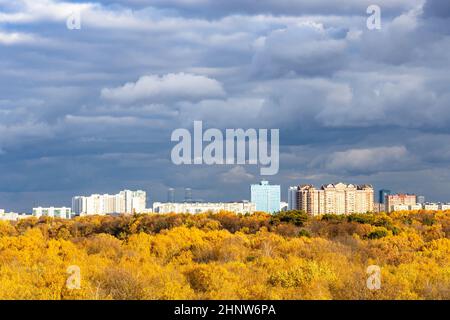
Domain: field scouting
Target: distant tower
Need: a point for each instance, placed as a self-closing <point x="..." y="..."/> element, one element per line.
<point x="188" y="195"/>
<point x="292" y="198"/>
<point x="171" y="195"/>
<point x="382" y="195"/>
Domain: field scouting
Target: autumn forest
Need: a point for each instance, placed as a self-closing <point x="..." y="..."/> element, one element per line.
<point x="289" y="255"/>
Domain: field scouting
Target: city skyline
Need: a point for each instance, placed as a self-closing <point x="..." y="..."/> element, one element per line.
<point x="179" y="195"/>
<point x="291" y="199"/>
<point x="91" y="109"/>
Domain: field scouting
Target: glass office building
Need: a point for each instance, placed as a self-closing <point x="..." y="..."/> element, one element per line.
<point x="266" y="197"/>
<point x="382" y="195"/>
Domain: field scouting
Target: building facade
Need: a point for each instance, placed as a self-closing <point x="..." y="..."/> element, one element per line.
<point x="200" y="207"/>
<point x="419" y="206"/>
<point x="337" y="198"/>
<point x="125" y="201"/>
<point x="62" y="213"/>
<point x="431" y="206"/>
<point x="394" y="202"/>
<point x="266" y="197"/>
<point x="292" y="198"/>
<point x="382" y="195"/>
<point x="378" y="207"/>
<point x="416" y="206"/>
<point x="12" y="216"/>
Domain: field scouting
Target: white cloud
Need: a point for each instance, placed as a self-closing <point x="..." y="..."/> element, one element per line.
<point x="15" y="38"/>
<point x="172" y="87"/>
<point x="29" y="11"/>
<point x="368" y="159"/>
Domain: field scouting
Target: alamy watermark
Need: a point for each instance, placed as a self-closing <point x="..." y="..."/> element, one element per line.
<point x="374" y="20"/>
<point x="73" y="21"/>
<point x="373" y="282"/>
<point x="74" y="279"/>
<point x="249" y="146"/>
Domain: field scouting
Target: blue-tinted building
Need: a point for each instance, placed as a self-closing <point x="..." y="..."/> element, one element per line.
<point x="266" y="197"/>
<point x="382" y="195"/>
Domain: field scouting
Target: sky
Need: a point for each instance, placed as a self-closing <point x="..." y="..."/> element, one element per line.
<point x="91" y="110"/>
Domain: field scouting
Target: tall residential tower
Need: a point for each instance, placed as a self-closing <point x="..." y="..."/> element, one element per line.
<point x="336" y="198"/>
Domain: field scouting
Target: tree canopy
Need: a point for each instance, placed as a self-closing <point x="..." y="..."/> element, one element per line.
<point x="289" y="255"/>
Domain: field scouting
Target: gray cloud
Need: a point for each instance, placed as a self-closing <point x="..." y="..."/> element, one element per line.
<point x="437" y="8"/>
<point x="236" y="175"/>
<point x="92" y="110"/>
<point x="301" y="50"/>
<point x="219" y="8"/>
<point x="367" y="160"/>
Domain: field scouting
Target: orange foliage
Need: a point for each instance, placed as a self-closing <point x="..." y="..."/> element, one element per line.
<point x="227" y="256"/>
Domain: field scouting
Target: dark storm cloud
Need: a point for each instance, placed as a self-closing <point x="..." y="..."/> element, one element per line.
<point x="92" y="110"/>
<point x="437" y="8"/>
<point x="215" y="8"/>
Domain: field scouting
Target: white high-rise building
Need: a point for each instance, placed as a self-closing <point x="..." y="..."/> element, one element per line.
<point x="138" y="201"/>
<point x="119" y="202"/>
<point x="125" y="201"/>
<point x="127" y="198"/>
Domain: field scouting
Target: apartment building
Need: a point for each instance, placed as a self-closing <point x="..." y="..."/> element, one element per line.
<point x="200" y="207"/>
<point x="339" y="198"/>
<point x="125" y="201"/>
<point x="63" y="212"/>
<point x="394" y="202"/>
<point x="431" y="206"/>
<point x="12" y="216"/>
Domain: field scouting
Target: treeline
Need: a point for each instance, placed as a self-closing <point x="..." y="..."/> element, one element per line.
<point x="287" y="223"/>
<point x="289" y="255"/>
